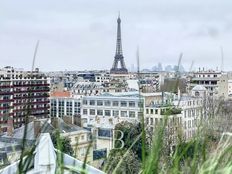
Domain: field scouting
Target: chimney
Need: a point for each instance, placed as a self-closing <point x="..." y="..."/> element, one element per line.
<point x="37" y="128"/>
<point x="10" y="126"/>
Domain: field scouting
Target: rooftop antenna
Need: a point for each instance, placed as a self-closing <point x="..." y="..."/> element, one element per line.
<point x="222" y="58"/>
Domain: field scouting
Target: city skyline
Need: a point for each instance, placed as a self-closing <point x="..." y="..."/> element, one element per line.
<point x="78" y="32"/>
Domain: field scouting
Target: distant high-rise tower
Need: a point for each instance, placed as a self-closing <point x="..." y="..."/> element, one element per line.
<point x="118" y="55"/>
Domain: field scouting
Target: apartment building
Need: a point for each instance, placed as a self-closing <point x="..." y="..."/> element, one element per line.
<point x="225" y="86"/>
<point x="22" y="93"/>
<point x="155" y="115"/>
<point x="102" y="77"/>
<point x="207" y="78"/>
<point x="106" y="110"/>
<point x="87" y="88"/>
<point x="116" y="85"/>
<point x="192" y="114"/>
<point x="184" y="115"/>
<point x="63" y="104"/>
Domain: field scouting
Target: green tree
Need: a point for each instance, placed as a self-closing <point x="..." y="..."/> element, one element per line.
<point x="132" y="161"/>
<point x="129" y="165"/>
<point x="130" y="133"/>
<point x="62" y="143"/>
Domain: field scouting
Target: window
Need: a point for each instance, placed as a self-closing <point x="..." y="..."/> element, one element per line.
<point x="140" y="104"/>
<point x="85" y="112"/>
<point x="92" y="102"/>
<point x="77" y="104"/>
<point x="123" y="113"/>
<point x="123" y="104"/>
<point x="115" y="103"/>
<point x="140" y="114"/>
<point x="197" y="94"/>
<point x="131" y="114"/>
<point x="76" y="139"/>
<point x="107" y="113"/>
<point x="85" y="102"/>
<point x="151" y="111"/>
<point x="115" y="113"/>
<point x="147" y="121"/>
<point x="92" y="111"/>
<point x="82" y="137"/>
<point x="193" y="113"/>
<point x="156" y="111"/>
<point x="107" y="103"/>
<point x="61" y="103"/>
<point x="99" y="112"/>
<point x="131" y="104"/>
<point x="152" y="121"/>
<point x="156" y="121"/>
<point x="100" y="103"/>
<point x="147" y="111"/>
<point x="68" y="103"/>
<point x="82" y="151"/>
<point x="189" y="124"/>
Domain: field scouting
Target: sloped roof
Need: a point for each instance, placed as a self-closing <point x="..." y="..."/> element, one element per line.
<point x="44" y="161"/>
<point x="199" y="88"/>
<point x="46" y="127"/>
<point x="19" y="132"/>
<point x="133" y="84"/>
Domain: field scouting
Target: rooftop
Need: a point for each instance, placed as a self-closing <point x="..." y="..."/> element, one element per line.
<point x="46" y="127"/>
<point x="45" y="160"/>
<point x="199" y="88"/>
<point x="61" y="94"/>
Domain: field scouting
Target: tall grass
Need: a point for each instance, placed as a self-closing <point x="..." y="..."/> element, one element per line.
<point x="203" y="154"/>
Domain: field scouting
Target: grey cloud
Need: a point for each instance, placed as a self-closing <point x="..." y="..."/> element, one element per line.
<point x="76" y="32"/>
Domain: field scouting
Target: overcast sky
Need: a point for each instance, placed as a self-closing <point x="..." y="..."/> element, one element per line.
<point x="81" y="34"/>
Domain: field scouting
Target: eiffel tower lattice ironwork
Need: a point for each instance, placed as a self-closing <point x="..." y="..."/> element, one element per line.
<point x="118" y="58"/>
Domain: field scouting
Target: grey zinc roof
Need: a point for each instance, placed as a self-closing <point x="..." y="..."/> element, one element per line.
<point x="19" y="132"/>
<point x="46" y="127"/>
<point x="199" y="88"/>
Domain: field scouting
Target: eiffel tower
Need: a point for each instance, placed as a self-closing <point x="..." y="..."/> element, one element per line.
<point x="118" y="58"/>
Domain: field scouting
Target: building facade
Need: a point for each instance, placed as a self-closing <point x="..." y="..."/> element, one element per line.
<point x="106" y="110"/>
<point x="22" y="93"/>
<point x="64" y="105"/>
<point x="207" y="78"/>
<point x="182" y="113"/>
